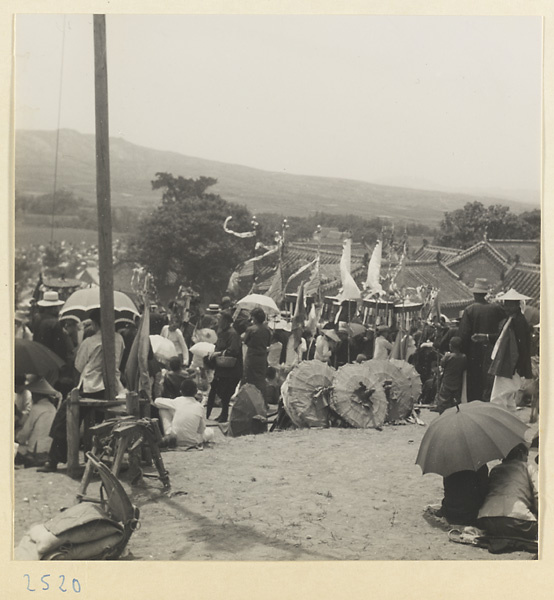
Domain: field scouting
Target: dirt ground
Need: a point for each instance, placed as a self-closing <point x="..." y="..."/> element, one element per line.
<point x="319" y="494"/>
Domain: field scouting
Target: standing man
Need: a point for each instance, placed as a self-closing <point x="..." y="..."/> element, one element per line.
<point x="89" y="361"/>
<point x="511" y="355"/>
<point x="478" y="331"/>
<point x="257" y="339"/>
<point x="226" y="378"/>
<point x="49" y="331"/>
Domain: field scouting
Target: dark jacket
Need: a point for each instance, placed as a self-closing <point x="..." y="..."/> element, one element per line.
<point x="229" y="343"/>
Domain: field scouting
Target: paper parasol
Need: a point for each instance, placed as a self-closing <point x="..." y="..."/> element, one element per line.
<point x="358" y="397"/>
<point x="306" y="393"/>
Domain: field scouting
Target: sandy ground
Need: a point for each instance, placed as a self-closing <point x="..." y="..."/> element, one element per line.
<point x="325" y="494"/>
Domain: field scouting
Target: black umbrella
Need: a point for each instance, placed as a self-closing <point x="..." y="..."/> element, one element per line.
<point x="32" y="358"/>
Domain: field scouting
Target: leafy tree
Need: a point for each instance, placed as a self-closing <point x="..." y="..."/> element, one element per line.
<point x="533" y="218"/>
<point x="468" y="225"/>
<point x="183" y="240"/>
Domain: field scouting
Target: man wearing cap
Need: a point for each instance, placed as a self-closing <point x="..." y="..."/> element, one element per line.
<point x="49" y="331"/>
<point x="478" y="325"/>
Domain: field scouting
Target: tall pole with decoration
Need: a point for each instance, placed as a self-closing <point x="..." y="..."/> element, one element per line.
<point x="103" y="202"/>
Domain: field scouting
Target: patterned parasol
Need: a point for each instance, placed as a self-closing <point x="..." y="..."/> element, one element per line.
<point x="402" y="381"/>
<point x="306" y="393"/>
<point x="358" y="397"/>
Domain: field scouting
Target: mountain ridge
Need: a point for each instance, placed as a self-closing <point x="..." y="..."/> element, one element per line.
<point x="133" y="167"/>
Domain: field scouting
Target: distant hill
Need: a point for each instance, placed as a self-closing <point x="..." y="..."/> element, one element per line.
<point x="133" y="167"/>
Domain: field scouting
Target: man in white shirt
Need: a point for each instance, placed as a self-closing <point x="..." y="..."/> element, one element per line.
<point x="383" y="346"/>
<point x="174" y="334"/>
<point x="90" y="358"/>
<point x="324" y="345"/>
<point x="183" y="418"/>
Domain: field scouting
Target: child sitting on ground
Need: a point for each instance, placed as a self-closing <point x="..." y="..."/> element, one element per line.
<point x="453" y="365"/>
<point x="183" y="418"/>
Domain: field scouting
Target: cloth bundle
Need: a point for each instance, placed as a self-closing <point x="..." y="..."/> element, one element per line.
<point x="81" y="532"/>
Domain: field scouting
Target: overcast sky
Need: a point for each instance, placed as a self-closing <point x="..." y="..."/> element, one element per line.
<point x="440" y="102"/>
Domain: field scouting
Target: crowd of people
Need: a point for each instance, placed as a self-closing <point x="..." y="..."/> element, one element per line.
<point x="475" y="357"/>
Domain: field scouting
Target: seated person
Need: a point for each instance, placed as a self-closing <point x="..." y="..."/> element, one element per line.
<point x="23" y="402"/>
<point x="464" y="493"/>
<point x="171" y="386"/>
<point x="273" y="387"/>
<point x="511" y="505"/>
<point x="183" y="418"/>
<point x="33" y="438"/>
<point x="453" y="365"/>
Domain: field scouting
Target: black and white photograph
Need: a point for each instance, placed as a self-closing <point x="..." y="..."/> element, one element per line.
<point x="276" y="287"/>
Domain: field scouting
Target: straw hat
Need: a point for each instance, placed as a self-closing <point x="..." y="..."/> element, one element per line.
<point x="50" y="298"/>
<point x="512" y="294"/>
<point x="41" y="386"/>
<point x="481" y="286"/>
<point x="212" y="308"/>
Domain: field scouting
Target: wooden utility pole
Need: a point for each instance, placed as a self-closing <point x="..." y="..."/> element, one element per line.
<point x="103" y="202"/>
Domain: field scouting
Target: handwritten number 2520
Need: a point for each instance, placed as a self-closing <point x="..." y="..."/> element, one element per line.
<point x="46" y="586"/>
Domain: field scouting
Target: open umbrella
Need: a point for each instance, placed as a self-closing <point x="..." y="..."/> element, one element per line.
<point x="404" y="381"/>
<point x="253" y="301"/>
<point x="358" y="397"/>
<point x="306" y="394"/>
<point x="202" y="349"/>
<point x="86" y="299"/>
<point x="163" y="349"/>
<point x="32" y="358"/>
<point x="468" y="436"/>
<point x="248" y="415"/>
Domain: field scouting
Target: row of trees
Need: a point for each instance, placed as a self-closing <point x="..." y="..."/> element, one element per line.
<point x="182" y="240"/>
<point x="66" y="210"/>
<point x="466" y="226"/>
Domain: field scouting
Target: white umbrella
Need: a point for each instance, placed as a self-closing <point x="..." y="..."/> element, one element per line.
<point x="253" y="301"/>
<point x="163" y="348"/>
<point x="202" y="349"/>
<point x="86" y="299"/>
